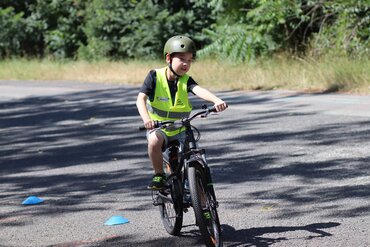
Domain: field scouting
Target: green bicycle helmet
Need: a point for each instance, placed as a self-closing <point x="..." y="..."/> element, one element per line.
<point x="179" y="43"/>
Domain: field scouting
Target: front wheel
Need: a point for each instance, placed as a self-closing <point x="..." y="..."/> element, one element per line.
<point x="205" y="208"/>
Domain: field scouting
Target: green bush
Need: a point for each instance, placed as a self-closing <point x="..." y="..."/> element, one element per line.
<point x="10" y="37"/>
<point x="239" y="30"/>
<point x="41" y="27"/>
<point x="137" y="29"/>
<point x="60" y="24"/>
<point x="250" y="28"/>
<point x="347" y="32"/>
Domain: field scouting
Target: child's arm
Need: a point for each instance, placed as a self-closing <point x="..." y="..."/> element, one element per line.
<point x="143" y="111"/>
<point x="203" y="93"/>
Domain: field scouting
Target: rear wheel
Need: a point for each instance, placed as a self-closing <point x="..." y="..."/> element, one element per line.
<point x="205" y="208"/>
<point x="170" y="205"/>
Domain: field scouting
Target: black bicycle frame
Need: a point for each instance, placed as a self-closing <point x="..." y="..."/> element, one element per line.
<point x="186" y="154"/>
<point x="192" y="158"/>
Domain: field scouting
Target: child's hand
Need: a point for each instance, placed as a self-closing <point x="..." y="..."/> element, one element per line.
<point x="149" y="124"/>
<point x="220" y="105"/>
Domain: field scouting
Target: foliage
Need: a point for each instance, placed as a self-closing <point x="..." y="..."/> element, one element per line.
<point x="263" y="27"/>
<point x="59" y="22"/>
<point x="49" y="27"/>
<point x="93" y="29"/>
<point x="120" y="29"/>
<point x="10" y="37"/>
<point x="250" y="28"/>
<point x="239" y="30"/>
<point x="345" y="29"/>
<point x="238" y="43"/>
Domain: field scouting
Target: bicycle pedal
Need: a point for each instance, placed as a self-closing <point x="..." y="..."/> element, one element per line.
<point x="156" y="199"/>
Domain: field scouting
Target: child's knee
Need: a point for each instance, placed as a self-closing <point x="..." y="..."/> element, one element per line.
<point x="154" y="144"/>
<point x="155" y="140"/>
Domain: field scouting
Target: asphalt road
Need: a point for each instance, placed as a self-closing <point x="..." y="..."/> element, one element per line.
<point x="290" y="169"/>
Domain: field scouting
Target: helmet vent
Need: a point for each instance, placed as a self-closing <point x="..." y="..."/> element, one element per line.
<point x="182" y="46"/>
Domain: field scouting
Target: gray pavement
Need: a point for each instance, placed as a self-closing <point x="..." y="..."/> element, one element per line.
<point x="290" y="169"/>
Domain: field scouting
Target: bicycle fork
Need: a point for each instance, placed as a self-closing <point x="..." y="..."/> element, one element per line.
<point x="208" y="178"/>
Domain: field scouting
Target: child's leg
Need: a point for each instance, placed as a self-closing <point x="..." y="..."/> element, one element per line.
<point x="155" y="143"/>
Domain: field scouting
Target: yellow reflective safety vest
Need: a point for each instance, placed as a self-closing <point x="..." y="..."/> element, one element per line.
<point x="162" y="108"/>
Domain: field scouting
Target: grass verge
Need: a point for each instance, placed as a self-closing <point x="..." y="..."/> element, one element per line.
<point x="325" y="75"/>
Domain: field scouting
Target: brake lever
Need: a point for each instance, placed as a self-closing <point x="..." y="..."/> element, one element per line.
<point x="205" y="115"/>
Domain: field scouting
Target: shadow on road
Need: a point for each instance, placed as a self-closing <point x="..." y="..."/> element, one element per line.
<point x="46" y="142"/>
<point x="254" y="236"/>
<point x="286" y="143"/>
<point x="231" y="237"/>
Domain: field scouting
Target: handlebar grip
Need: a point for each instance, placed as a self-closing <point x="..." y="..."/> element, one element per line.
<point x="212" y="109"/>
<point x="156" y="125"/>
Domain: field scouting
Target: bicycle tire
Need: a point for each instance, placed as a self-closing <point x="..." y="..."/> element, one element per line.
<point x="170" y="206"/>
<point x="202" y="199"/>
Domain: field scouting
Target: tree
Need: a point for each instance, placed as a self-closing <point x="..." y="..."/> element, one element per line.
<point x="10" y="37"/>
<point x="136" y="29"/>
<point x="249" y="28"/>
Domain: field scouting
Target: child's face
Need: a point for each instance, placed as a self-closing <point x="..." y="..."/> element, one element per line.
<point x="181" y="62"/>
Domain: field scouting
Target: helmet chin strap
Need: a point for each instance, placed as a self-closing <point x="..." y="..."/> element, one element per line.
<point x="170" y="66"/>
<point x="177" y="76"/>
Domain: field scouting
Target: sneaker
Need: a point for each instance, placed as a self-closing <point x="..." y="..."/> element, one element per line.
<point x="158" y="182"/>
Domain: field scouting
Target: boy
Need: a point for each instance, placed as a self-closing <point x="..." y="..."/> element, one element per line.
<point x="164" y="96"/>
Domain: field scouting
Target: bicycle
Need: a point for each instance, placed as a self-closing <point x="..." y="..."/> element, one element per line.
<point x="188" y="184"/>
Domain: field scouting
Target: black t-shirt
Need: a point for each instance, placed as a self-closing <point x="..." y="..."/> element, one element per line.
<point x="148" y="86"/>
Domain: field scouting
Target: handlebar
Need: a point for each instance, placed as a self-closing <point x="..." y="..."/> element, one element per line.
<point x="182" y="122"/>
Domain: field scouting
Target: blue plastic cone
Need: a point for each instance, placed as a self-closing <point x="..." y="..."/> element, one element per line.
<point x="116" y="220"/>
<point x="32" y="200"/>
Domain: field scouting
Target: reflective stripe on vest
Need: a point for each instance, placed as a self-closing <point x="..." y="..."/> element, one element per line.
<point x="167" y="114"/>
